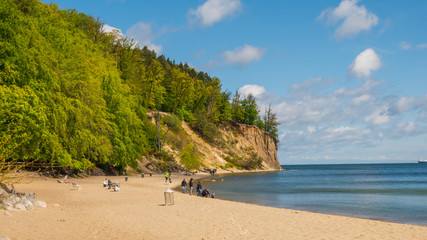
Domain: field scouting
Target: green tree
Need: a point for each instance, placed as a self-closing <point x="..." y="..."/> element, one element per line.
<point x="250" y="110"/>
<point x="237" y="110"/>
<point x="171" y="122"/>
<point x="271" y="123"/>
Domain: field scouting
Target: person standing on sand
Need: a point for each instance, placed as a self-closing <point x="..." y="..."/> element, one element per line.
<point x="183" y="185"/>
<point x="191" y="185"/>
<point x="199" y="188"/>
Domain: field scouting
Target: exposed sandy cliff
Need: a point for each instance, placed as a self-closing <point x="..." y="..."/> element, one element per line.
<point x="239" y="142"/>
<point x="250" y="136"/>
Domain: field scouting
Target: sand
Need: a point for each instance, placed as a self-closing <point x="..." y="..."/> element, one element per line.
<point x="138" y="211"/>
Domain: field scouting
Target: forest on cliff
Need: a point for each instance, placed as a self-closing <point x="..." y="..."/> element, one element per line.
<point x="74" y="95"/>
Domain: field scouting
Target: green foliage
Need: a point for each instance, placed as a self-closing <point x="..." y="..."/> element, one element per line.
<point x="270" y="123"/>
<point x="173" y="122"/>
<point x="79" y="96"/>
<point x="205" y="128"/>
<point x="250" y="110"/>
<point x="252" y="162"/>
<point x="237" y="110"/>
<point x="167" y="157"/>
<point x="190" y="157"/>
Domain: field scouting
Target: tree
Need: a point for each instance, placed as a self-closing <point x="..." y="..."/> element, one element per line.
<point x="237" y="110"/>
<point x="250" y="110"/>
<point x="271" y="123"/>
<point x="172" y="122"/>
<point x="224" y="106"/>
<point x="154" y="91"/>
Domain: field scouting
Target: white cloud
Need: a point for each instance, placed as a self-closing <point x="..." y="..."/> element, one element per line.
<point x="143" y="35"/>
<point x="404" y="104"/>
<point x="361" y="99"/>
<point x="354" y="19"/>
<point x="312" y="83"/>
<point x="314" y="120"/>
<point x="405" y="45"/>
<point x="422" y="45"/>
<point x="255" y="90"/>
<point x="379" y="116"/>
<point x="117" y="33"/>
<point x="366" y="88"/>
<point x="366" y="62"/>
<point x="213" y="11"/>
<point x="244" y="55"/>
<point x="407" y="127"/>
<point x="311" y="129"/>
<point x="109" y="29"/>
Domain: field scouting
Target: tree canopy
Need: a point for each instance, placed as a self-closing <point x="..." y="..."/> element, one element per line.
<point x="79" y="95"/>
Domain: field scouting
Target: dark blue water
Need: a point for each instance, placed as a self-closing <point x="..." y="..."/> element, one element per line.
<point x="391" y="192"/>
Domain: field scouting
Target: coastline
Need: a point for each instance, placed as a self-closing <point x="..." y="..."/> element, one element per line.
<point x="138" y="211"/>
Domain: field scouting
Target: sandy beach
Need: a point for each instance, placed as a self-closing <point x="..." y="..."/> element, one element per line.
<point x="138" y="211"/>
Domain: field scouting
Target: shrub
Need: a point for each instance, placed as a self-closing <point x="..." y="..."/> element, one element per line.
<point x="190" y="158"/>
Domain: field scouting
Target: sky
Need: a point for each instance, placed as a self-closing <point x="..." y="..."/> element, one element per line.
<point x="347" y="79"/>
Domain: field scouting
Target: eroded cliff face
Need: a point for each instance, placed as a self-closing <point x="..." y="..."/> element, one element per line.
<point x="252" y="138"/>
<point x="239" y="141"/>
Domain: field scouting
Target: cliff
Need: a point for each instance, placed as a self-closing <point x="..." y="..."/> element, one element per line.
<point x="239" y="146"/>
<point x="249" y="136"/>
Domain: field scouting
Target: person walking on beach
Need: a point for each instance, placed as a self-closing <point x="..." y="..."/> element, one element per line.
<point x="166" y="178"/>
<point x="183" y="185"/>
<point x="199" y="188"/>
<point x="191" y="185"/>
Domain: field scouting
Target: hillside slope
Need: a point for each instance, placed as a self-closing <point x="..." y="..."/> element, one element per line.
<point x="240" y="146"/>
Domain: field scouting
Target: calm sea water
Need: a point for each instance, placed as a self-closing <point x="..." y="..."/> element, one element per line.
<point x="391" y="192"/>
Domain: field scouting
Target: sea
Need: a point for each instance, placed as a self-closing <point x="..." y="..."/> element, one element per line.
<point x="389" y="192"/>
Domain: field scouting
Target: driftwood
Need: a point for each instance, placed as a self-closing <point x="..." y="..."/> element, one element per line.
<point x="64" y="180"/>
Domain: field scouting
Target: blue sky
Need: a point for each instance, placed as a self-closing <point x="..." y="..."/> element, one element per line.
<point x="347" y="79"/>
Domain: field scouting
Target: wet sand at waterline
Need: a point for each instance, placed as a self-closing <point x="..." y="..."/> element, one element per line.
<point x="138" y="211"/>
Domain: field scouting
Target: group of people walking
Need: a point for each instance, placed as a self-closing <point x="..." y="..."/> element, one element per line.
<point x="168" y="179"/>
<point x="199" y="189"/>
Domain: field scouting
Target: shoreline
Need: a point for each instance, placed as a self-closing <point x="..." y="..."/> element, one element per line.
<point x="138" y="211"/>
<point x="210" y="177"/>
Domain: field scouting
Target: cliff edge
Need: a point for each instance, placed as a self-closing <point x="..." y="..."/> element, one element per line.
<point x="236" y="147"/>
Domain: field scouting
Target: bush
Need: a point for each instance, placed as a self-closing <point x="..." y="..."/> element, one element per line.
<point x="167" y="157"/>
<point x="254" y="162"/>
<point x="206" y="129"/>
<point x="190" y="157"/>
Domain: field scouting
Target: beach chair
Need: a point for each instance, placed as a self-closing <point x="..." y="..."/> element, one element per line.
<point x="76" y="186"/>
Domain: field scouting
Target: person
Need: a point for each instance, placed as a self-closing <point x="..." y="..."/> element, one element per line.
<point x="166" y="177"/>
<point x="206" y="193"/>
<point x="105" y="182"/>
<point x="109" y="183"/>
<point x="199" y="188"/>
<point x="170" y="179"/>
<point x="183" y="185"/>
<point x="191" y="185"/>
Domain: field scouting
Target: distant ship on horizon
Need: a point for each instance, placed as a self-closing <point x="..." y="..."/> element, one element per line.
<point x="422" y="161"/>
